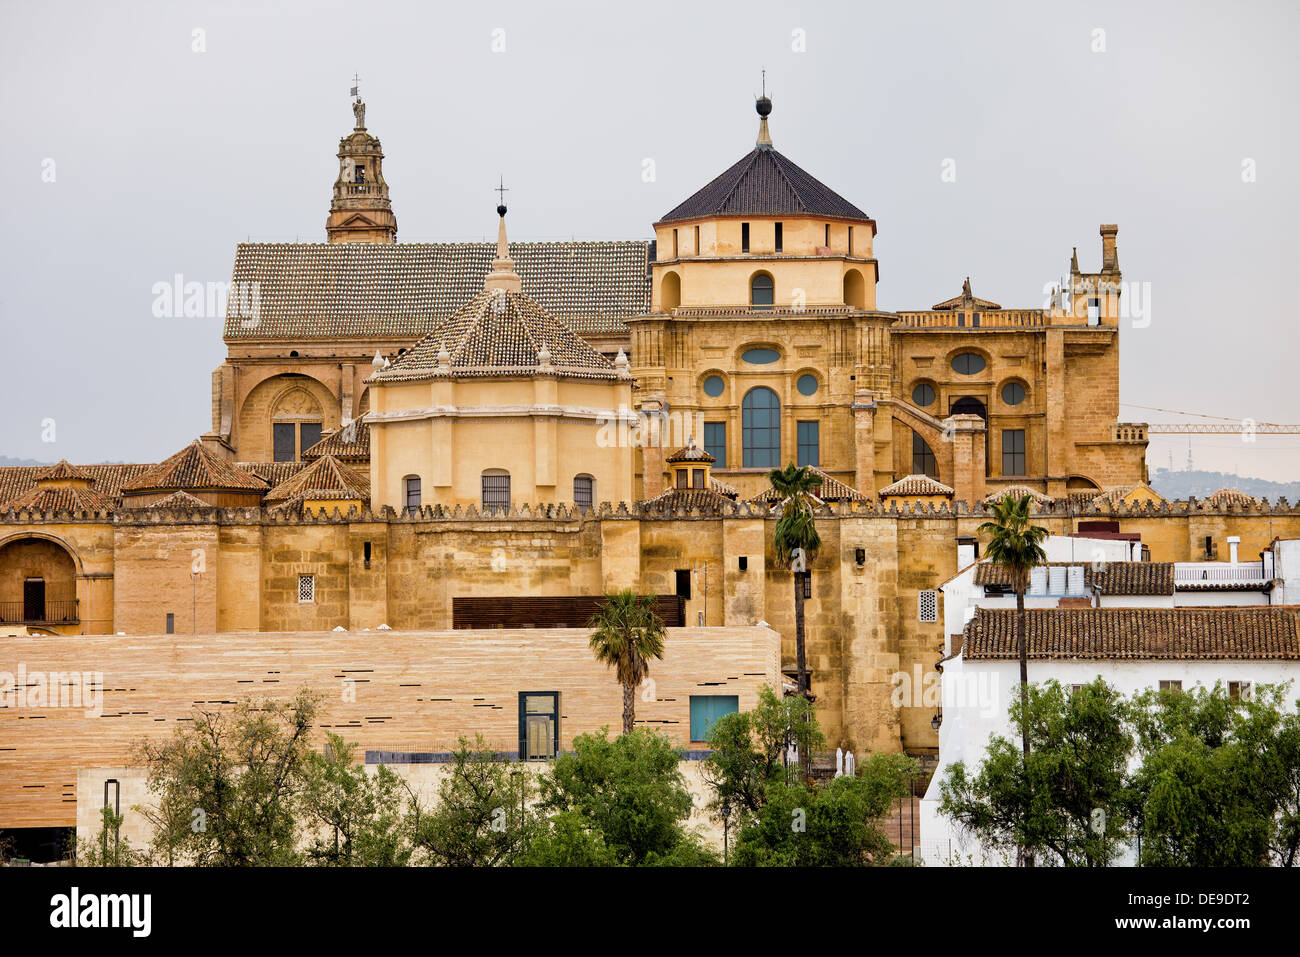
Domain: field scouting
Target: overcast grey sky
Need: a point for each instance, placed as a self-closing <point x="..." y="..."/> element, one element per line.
<point x="164" y="158"/>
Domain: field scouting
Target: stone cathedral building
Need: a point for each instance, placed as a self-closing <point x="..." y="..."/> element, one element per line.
<point x="444" y="435"/>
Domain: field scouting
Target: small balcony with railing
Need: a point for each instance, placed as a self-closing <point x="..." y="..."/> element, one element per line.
<point x="49" y="612"/>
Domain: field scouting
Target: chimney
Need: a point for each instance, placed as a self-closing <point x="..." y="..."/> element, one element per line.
<point x="1233" y="541"/>
<point x="1109" y="258"/>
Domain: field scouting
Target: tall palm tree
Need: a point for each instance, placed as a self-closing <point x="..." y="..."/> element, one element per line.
<point x="796" y="542"/>
<point x="626" y="635"/>
<point x="1017" y="546"/>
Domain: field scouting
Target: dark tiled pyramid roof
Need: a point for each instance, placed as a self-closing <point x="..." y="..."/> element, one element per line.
<point x="194" y="467"/>
<point x="765" y="183"/>
<point x="401" y="290"/>
<point x="499" y="333"/>
<point x="1136" y="633"/>
<point x="63" y="469"/>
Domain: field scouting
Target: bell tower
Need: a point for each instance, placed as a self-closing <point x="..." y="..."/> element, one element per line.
<point x="360" y="211"/>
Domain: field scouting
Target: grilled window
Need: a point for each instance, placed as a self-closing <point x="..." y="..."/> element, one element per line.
<point x="496" y="489"/>
<point x="306" y="589"/>
<point x="927" y="607"/>
<point x="584" y="491"/>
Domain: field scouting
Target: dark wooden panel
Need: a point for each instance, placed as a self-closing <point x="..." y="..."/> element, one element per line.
<point x="565" y="611"/>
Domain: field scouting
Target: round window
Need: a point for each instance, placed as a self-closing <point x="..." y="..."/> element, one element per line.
<point x="807" y="385"/>
<point x="1013" y="393"/>
<point x="760" y="357"/>
<point x="923" y="395"/>
<point x="967" y="363"/>
<point x="713" y="386"/>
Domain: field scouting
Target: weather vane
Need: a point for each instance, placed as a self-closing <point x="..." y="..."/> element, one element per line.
<point x="501" y="189"/>
<point x="356" y="84"/>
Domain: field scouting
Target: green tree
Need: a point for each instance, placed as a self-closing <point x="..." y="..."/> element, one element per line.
<point x="357" y="816"/>
<point x="481" y="818"/>
<point x="1017" y="546"/>
<point x="1216" y="787"/>
<point x="108" y="848"/>
<point x="626" y="635"/>
<point x="226" y="787"/>
<point x="1068" y="794"/>
<point x="628" y="790"/>
<point x="747" y="750"/>
<point x="836" y="825"/>
<point x="796" y="542"/>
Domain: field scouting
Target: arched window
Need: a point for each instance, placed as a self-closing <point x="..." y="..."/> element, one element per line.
<point x="584" y="491"/>
<point x="761" y="429"/>
<point x="923" y="460"/>
<point x="969" y="405"/>
<point x="411" y="491"/>
<point x="761" y="291"/>
<point x="496" y="488"/>
<point x="296" y="425"/>
<point x="855" y="290"/>
<point x="670" y="293"/>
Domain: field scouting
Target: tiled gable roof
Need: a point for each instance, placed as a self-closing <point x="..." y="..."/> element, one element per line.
<point x="402" y="290"/>
<point x="179" y="500"/>
<point x="1018" y="491"/>
<point x="1136" y="633"/>
<point x="1225" y="497"/>
<point x="194" y="467"/>
<point x="43" y="498"/>
<point x="916" y="485"/>
<point x="690" y="452"/>
<point x="831" y="490"/>
<point x="338" y="444"/>
<point x="326" y="478"/>
<point x="1113" y="578"/>
<point x="273" y="473"/>
<point x="63" y="470"/>
<point x="764" y="183"/>
<point x="705" y="499"/>
<point x="15" y="480"/>
<point x="499" y="333"/>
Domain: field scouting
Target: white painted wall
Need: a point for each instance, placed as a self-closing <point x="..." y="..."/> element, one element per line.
<point x="976" y="699"/>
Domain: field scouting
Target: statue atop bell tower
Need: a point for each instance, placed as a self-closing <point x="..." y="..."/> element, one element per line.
<point x="360" y="211"/>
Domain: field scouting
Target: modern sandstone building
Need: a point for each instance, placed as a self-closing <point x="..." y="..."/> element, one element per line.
<point x="401" y="430"/>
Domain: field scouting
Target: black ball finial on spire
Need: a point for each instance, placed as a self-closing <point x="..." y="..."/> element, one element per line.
<point x="763" y="105"/>
<point x="501" y="209"/>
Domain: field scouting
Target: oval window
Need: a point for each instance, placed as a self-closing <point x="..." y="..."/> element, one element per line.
<point x="923" y="395"/>
<point x="968" y="363"/>
<point x="761" y="357"/>
<point x="807" y="385"/>
<point x="713" y="386"/>
<point x="1013" y="393"/>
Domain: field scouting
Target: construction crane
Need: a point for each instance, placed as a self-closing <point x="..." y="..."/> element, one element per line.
<point x="1226" y="425"/>
<point x="1258" y="428"/>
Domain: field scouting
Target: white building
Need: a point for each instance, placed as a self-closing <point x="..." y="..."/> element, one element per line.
<point x="1134" y="624"/>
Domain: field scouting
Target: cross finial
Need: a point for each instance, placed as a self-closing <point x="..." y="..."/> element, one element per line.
<point x="765" y="82"/>
<point x="501" y="189"/>
<point x="356" y="84"/>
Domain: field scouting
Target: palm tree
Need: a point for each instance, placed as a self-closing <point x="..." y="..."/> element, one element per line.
<point x="1017" y="546"/>
<point x="627" y="634"/>
<point x="796" y="542"/>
